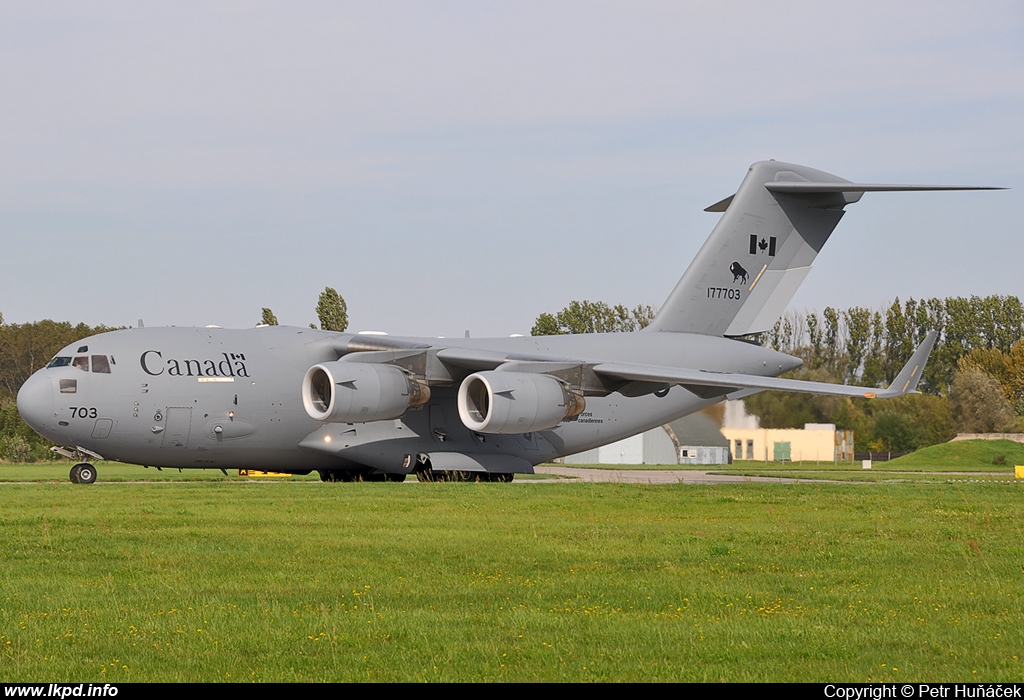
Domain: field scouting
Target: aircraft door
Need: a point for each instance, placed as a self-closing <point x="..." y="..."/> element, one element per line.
<point x="179" y="424"/>
<point x="102" y="428"/>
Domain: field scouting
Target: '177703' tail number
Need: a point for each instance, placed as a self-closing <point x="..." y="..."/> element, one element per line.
<point x="723" y="293"/>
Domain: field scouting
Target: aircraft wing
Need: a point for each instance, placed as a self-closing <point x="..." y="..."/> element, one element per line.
<point x="904" y="383"/>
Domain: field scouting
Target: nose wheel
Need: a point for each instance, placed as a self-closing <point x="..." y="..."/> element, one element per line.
<point x="83" y="473"/>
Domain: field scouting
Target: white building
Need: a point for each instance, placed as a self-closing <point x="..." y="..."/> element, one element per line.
<point x="694" y="439"/>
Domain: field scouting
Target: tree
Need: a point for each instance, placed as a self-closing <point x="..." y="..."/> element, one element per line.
<point x="269" y="319"/>
<point x="593" y="317"/>
<point x="546" y="325"/>
<point x="332" y="311"/>
<point x="894" y="432"/>
<point x="907" y="423"/>
<point x="858" y="330"/>
<point x="979" y="405"/>
<point x="1007" y="368"/>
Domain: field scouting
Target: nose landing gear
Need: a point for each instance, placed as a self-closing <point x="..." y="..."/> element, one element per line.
<point x="83" y="473"/>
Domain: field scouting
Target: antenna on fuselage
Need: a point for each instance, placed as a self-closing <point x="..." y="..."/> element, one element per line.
<point x="141" y="324"/>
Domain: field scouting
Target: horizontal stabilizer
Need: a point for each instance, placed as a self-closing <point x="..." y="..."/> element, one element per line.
<point x="720" y="206"/>
<point x="770" y="232"/>
<point x="905" y="383"/>
<point x="831" y="187"/>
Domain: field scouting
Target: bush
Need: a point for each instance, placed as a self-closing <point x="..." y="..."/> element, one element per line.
<point x="14" y="448"/>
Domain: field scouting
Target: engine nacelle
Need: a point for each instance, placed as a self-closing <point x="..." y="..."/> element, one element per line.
<point x="516" y="402"/>
<point x="359" y="392"/>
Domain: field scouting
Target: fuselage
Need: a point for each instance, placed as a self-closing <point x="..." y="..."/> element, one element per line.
<point x="230" y="398"/>
<point x="210" y="397"/>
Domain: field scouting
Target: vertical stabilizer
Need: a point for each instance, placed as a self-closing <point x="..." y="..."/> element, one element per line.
<point x="755" y="259"/>
<point x="750" y="267"/>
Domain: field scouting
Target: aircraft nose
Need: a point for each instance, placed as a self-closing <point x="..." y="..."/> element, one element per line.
<point x="35" y="401"/>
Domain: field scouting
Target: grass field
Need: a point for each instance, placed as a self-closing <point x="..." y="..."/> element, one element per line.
<point x="57" y="471"/>
<point x="990" y="460"/>
<point x="293" y="580"/>
<point x="878" y="476"/>
<point x="962" y="455"/>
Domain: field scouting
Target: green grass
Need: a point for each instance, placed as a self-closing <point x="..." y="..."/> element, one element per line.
<point x="875" y="476"/>
<point x="297" y="581"/>
<point x="117" y="472"/>
<point x="962" y="455"/>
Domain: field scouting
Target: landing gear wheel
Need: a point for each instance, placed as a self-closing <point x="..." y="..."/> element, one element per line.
<point x="339" y="475"/>
<point x="83" y="473"/>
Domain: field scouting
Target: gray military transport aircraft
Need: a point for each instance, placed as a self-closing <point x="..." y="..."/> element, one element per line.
<point x="378" y="408"/>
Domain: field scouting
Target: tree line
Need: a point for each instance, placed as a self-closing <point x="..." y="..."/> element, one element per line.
<point x="593" y="317"/>
<point x="331" y="311"/>
<point x="870" y="346"/>
<point x="973" y="382"/>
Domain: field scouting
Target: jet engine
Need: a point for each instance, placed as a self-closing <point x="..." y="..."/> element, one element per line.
<point x="516" y="402"/>
<point x="358" y="392"/>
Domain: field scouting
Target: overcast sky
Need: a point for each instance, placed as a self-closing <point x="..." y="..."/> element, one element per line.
<point x="468" y="165"/>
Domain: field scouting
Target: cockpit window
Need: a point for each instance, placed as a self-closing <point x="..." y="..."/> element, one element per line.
<point x="100" y="364"/>
<point x="68" y="386"/>
<point x="81" y="362"/>
<point x="59" y="362"/>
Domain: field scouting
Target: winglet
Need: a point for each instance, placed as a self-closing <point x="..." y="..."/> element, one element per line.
<point x="906" y="381"/>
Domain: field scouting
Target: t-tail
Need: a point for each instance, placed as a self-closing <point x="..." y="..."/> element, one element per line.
<point x="771" y="230"/>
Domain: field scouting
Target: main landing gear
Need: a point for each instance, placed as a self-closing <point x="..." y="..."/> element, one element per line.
<point x="345" y="475"/>
<point x="83" y="473"/>
<point x="428" y="474"/>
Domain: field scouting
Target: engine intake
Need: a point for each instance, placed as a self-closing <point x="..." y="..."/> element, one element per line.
<point x="357" y="392"/>
<point x="516" y="402"/>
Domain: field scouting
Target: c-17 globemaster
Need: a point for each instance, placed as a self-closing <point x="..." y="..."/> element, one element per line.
<point x="376" y="407"/>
